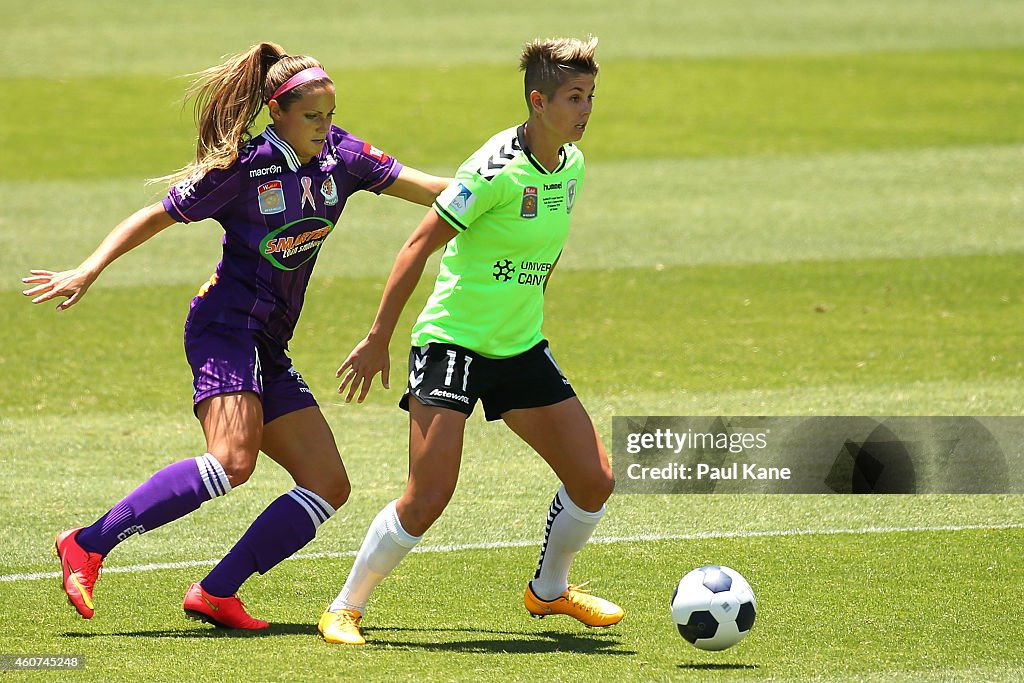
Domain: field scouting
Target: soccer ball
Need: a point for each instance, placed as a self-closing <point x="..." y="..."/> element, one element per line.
<point x="713" y="607"/>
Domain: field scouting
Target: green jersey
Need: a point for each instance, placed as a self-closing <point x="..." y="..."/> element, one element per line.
<point x="512" y="216"/>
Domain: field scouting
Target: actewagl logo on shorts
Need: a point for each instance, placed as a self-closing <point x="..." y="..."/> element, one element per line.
<point x="441" y="393"/>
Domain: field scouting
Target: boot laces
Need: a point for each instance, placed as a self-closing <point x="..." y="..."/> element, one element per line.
<point x="347" y="616"/>
<point x="582" y="598"/>
<point x="93" y="567"/>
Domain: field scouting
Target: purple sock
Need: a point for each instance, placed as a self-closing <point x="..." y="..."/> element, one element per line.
<point x="173" y="492"/>
<point x="288" y="524"/>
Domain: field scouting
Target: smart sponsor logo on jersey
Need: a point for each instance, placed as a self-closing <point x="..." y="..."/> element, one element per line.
<point x="292" y="245"/>
<point x="528" y="209"/>
<point x="271" y="197"/>
<point x="528" y="273"/>
<point x="269" y="170"/>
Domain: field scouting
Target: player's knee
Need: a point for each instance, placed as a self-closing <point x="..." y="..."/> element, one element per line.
<point x="419" y="512"/>
<point x="238" y="464"/>
<point x="591" y="492"/>
<point x="335" y="490"/>
<point x="606" y="487"/>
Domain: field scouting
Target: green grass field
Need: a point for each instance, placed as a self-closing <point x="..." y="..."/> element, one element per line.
<point x="792" y="208"/>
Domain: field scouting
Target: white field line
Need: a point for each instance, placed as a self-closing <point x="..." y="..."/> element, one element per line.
<point x="641" y="538"/>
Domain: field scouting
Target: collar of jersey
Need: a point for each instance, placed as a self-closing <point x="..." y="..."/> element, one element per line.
<point x="562" y="156"/>
<point x="290" y="156"/>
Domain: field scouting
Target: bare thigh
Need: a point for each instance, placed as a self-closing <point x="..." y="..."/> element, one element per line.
<point x="435" y="455"/>
<point x="233" y="424"/>
<point x="564" y="436"/>
<point x="302" y="443"/>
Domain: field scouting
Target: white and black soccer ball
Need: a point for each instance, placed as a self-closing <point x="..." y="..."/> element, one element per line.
<point x="713" y="607"/>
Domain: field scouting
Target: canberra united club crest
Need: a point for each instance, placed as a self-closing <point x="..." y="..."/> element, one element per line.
<point x="570" y="195"/>
<point x="529" y="206"/>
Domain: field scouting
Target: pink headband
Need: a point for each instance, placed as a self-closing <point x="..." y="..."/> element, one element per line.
<point x="304" y="76"/>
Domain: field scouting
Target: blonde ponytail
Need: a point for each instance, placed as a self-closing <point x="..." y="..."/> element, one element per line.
<point x="228" y="98"/>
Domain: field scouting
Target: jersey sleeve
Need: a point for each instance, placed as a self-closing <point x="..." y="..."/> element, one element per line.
<point x="369" y="168"/>
<point x="195" y="199"/>
<point x="468" y="197"/>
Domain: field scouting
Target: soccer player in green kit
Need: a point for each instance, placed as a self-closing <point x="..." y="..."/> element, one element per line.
<point x="503" y="221"/>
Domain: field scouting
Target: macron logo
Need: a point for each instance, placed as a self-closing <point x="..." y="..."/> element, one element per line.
<point x="260" y="172"/>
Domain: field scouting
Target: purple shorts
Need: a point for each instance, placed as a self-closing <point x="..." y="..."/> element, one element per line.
<point x="226" y="360"/>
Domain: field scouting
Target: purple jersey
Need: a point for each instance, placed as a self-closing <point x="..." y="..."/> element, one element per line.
<point x="276" y="213"/>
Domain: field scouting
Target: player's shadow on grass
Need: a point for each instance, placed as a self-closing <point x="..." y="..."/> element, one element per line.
<point x="201" y="631"/>
<point x="718" y="667"/>
<point x="453" y="640"/>
<point x="502" y="642"/>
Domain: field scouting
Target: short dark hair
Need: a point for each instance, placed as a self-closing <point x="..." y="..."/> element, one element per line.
<point x="550" y="62"/>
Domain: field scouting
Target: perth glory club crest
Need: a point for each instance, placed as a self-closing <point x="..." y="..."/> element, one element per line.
<point x="330" y="191"/>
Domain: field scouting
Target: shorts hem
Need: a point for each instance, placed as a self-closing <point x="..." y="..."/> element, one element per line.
<point x="270" y="416"/>
<point x="403" y="403"/>
<point x="494" y="414"/>
<point x="220" y="391"/>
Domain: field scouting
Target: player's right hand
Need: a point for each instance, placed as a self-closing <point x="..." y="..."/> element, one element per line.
<point x="71" y="284"/>
<point x="369" y="357"/>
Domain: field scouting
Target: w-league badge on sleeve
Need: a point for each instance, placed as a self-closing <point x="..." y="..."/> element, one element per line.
<point x="457" y="198"/>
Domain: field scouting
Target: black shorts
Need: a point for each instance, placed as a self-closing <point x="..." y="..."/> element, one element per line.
<point x="450" y="376"/>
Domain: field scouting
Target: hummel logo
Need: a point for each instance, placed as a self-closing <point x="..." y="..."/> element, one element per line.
<point x="214" y="607"/>
<point x="418" y="363"/>
<point x="500" y="159"/>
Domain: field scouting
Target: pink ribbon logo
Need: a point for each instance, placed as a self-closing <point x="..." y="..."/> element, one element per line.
<point x="307" y="193"/>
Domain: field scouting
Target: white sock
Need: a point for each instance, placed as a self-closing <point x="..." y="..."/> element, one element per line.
<point x="385" y="545"/>
<point x="569" y="528"/>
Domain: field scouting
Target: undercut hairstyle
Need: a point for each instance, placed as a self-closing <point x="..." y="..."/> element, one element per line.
<point x="548" y="63"/>
<point x="228" y="97"/>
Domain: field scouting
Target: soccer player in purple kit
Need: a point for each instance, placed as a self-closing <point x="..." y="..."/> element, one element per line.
<point x="278" y="196"/>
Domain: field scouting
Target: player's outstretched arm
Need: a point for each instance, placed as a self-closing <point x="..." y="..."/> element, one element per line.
<point x="417" y="187"/>
<point x="73" y="284"/>
<point x="372" y="354"/>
